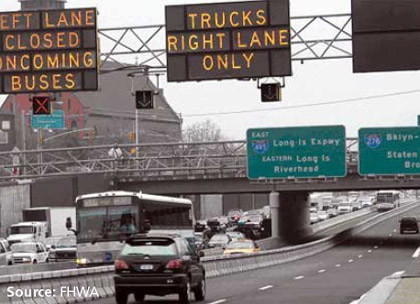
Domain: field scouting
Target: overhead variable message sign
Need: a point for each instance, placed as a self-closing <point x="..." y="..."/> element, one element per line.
<point x="386" y="35"/>
<point x="228" y="40"/>
<point x="48" y="51"/>
<point x="389" y="151"/>
<point x="299" y="152"/>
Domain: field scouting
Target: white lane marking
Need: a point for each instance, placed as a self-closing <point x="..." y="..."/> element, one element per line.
<point x="369" y="251"/>
<point x="350" y="261"/>
<point x="358" y="300"/>
<point x="416" y="253"/>
<point x="360" y="256"/>
<point x="376" y="247"/>
<point x="395" y="230"/>
<point x="299" y="278"/>
<point x="338" y="265"/>
<point x="218" y="301"/>
<point x="390" y="234"/>
<point x="321" y="270"/>
<point x="266" y="287"/>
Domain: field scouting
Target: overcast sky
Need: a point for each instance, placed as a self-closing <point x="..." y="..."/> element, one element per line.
<point x="313" y="82"/>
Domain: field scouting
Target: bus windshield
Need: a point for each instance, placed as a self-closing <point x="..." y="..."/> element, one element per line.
<point x="106" y="223"/>
<point x="387" y="197"/>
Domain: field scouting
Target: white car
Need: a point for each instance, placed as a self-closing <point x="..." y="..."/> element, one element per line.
<point x="332" y="212"/>
<point x="6" y="257"/>
<point x="30" y="252"/>
<point x="313" y="218"/>
<point x="322" y="215"/>
<point x="345" y="207"/>
<point x="366" y="202"/>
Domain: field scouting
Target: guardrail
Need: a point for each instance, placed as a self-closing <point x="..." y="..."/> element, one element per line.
<point x="97" y="282"/>
<point x="41" y="267"/>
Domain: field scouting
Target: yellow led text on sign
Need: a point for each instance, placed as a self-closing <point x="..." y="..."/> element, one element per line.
<point x="48" y="51"/>
<point x="227" y="39"/>
<point x="208" y="21"/>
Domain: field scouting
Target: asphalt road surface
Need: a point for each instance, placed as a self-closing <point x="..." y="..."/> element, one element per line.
<point x="337" y="276"/>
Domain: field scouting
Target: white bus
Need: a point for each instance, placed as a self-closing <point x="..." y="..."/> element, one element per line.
<point x="105" y="220"/>
<point x="387" y="200"/>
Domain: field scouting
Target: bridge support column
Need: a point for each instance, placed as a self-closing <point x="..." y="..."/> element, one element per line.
<point x="289" y="216"/>
<point x="274" y="200"/>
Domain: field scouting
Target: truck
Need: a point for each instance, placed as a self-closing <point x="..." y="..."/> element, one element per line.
<point x="40" y="223"/>
<point x="27" y="232"/>
<point x="54" y="216"/>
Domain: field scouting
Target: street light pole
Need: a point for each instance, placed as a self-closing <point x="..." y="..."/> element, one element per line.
<point x="137" y="133"/>
<point x="66" y="133"/>
<point x="23" y="118"/>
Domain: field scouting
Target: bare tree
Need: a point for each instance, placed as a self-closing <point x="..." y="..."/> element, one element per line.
<point x="205" y="131"/>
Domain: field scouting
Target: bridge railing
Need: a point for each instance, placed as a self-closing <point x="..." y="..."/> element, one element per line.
<point x="149" y="161"/>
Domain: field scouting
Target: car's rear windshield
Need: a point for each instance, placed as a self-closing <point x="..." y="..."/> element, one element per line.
<point x="345" y="204"/>
<point x="218" y="238"/>
<point x="150" y="247"/>
<point x="409" y="219"/>
<point x="241" y="245"/>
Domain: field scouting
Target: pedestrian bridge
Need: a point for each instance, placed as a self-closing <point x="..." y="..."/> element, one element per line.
<point x="182" y="168"/>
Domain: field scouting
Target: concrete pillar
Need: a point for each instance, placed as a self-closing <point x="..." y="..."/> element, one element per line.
<point x="274" y="200"/>
<point x="294" y="216"/>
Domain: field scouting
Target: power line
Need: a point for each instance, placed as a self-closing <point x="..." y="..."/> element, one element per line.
<point x="307" y="105"/>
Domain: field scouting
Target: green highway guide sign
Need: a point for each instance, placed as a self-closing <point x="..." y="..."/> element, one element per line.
<point x="389" y="151"/>
<point x="296" y="152"/>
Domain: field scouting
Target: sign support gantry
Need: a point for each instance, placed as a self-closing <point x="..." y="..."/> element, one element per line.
<point x="314" y="37"/>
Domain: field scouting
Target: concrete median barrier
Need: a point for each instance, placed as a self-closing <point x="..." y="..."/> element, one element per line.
<point x="87" y="284"/>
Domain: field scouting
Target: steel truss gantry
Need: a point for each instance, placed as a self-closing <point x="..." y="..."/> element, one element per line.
<point x="313" y="38"/>
<point x="160" y="161"/>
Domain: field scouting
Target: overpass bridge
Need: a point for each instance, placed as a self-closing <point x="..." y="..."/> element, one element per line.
<point x="182" y="168"/>
<point x="192" y="168"/>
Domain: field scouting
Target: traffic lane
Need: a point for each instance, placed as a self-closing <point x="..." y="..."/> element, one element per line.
<point x="351" y="271"/>
<point x="245" y="285"/>
<point x="370" y="242"/>
<point x="338" y="285"/>
<point x="346" y="225"/>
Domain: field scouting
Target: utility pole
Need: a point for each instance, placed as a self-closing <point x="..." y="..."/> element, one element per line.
<point x="137" y="132"/>
<point x="23" y="141"/>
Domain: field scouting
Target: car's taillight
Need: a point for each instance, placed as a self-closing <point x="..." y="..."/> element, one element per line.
<point x="174" y="264"/>
<point x="120" y="264"/>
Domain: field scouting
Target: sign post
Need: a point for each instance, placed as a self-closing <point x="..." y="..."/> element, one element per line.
<point x="296" y="152"/>
<point x="389" y="151"/>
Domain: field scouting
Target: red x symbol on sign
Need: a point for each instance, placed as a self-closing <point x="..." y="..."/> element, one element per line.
<point x="41" y="105"/>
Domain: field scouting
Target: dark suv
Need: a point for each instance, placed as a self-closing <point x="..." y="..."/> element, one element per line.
<point x="158" y="265"/>
<point x="409" y="224"/>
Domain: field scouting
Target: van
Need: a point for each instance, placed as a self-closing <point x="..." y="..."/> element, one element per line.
<point x="6" y="256"/>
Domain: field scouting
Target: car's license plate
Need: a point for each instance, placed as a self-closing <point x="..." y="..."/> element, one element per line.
<point x="146" y="267"/>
